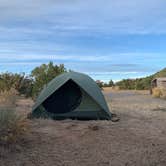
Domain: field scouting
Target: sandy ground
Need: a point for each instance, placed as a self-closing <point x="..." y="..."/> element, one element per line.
<point x="138" y="139"/>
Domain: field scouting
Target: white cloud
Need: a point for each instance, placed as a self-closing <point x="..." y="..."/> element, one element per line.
<point x="93" y="16"/>
<point x="118" y="60"/>
<point x="38" y="57"/>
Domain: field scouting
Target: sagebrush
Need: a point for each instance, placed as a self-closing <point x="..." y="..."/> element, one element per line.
<point x="12" y="126"/>
<point x="159" y="92"/>
<point x="8" y="97"/>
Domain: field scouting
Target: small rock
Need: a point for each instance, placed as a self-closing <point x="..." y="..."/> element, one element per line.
<point x="115" y="118"/>
<point x="94" y="128"/>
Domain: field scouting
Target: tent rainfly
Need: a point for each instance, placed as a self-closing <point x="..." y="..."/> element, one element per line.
<point x="71" y="95"/>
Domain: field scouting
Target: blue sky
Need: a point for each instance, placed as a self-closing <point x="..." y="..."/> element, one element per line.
<point x="108" y="39"/>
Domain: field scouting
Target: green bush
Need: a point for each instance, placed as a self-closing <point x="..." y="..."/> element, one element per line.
<point x="109" y="84"/>
<point x="21" y="83"/>
<point x="137" y="84"/>
<point x="30" y="85"/>
<point x="43" y="74"/>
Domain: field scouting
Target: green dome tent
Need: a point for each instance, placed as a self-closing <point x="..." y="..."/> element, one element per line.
<point x="71" y="95"/>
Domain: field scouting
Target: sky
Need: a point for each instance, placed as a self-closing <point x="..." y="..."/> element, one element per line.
<point x="107" y="39"/>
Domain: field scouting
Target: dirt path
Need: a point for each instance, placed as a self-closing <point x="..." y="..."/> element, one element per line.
<point x="138" y="139"/>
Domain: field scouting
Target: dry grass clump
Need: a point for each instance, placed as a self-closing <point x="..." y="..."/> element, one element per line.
<point x="156" y="92"/>
<point x="8" y="97"/>
<point x="159" y="93"/>
<point x="12" y="126"/>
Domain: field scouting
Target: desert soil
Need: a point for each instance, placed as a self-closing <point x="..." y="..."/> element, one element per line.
<point x="138" y="139"/>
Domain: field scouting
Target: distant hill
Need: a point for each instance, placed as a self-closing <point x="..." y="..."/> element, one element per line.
<point x="140" y="83"/>
<point x="161" y="73"/>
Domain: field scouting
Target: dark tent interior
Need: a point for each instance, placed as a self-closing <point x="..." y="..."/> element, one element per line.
<point x="66" y="99"/>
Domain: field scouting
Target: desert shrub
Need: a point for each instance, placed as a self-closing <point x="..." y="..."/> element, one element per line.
<point x="12" y="126"/>
<point x="126" y="84"/>
<point x="30" y="85"/>
<point x="163" y="90"/>
<point x="109" y="84"/>
<point x="100" y="83"/>
<point x="156" y="92"/>
<point x="8" y="97"/>
<point x="159" y="92"/>
<point x="137" y="84"/>
<point x="20" y="82"/>
<point x="10" y="80"/>
<point x="25" y="87"/>
<point x="43" y="74"/>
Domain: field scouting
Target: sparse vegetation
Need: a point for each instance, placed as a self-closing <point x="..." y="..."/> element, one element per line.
<point x="156" y="92"/>
<point x="99" y="83"/>
<point x="8" y="97"/>
<point x="21" y="83"/>
<point x="140" y="83"/>
<point x="104" y="84"/>
<point x="159" y="93"/>
<point x="12" y="126"/>
<point x="30" y="85"/>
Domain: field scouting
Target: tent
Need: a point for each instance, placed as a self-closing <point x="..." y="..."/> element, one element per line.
<point x="71" y="95"/>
